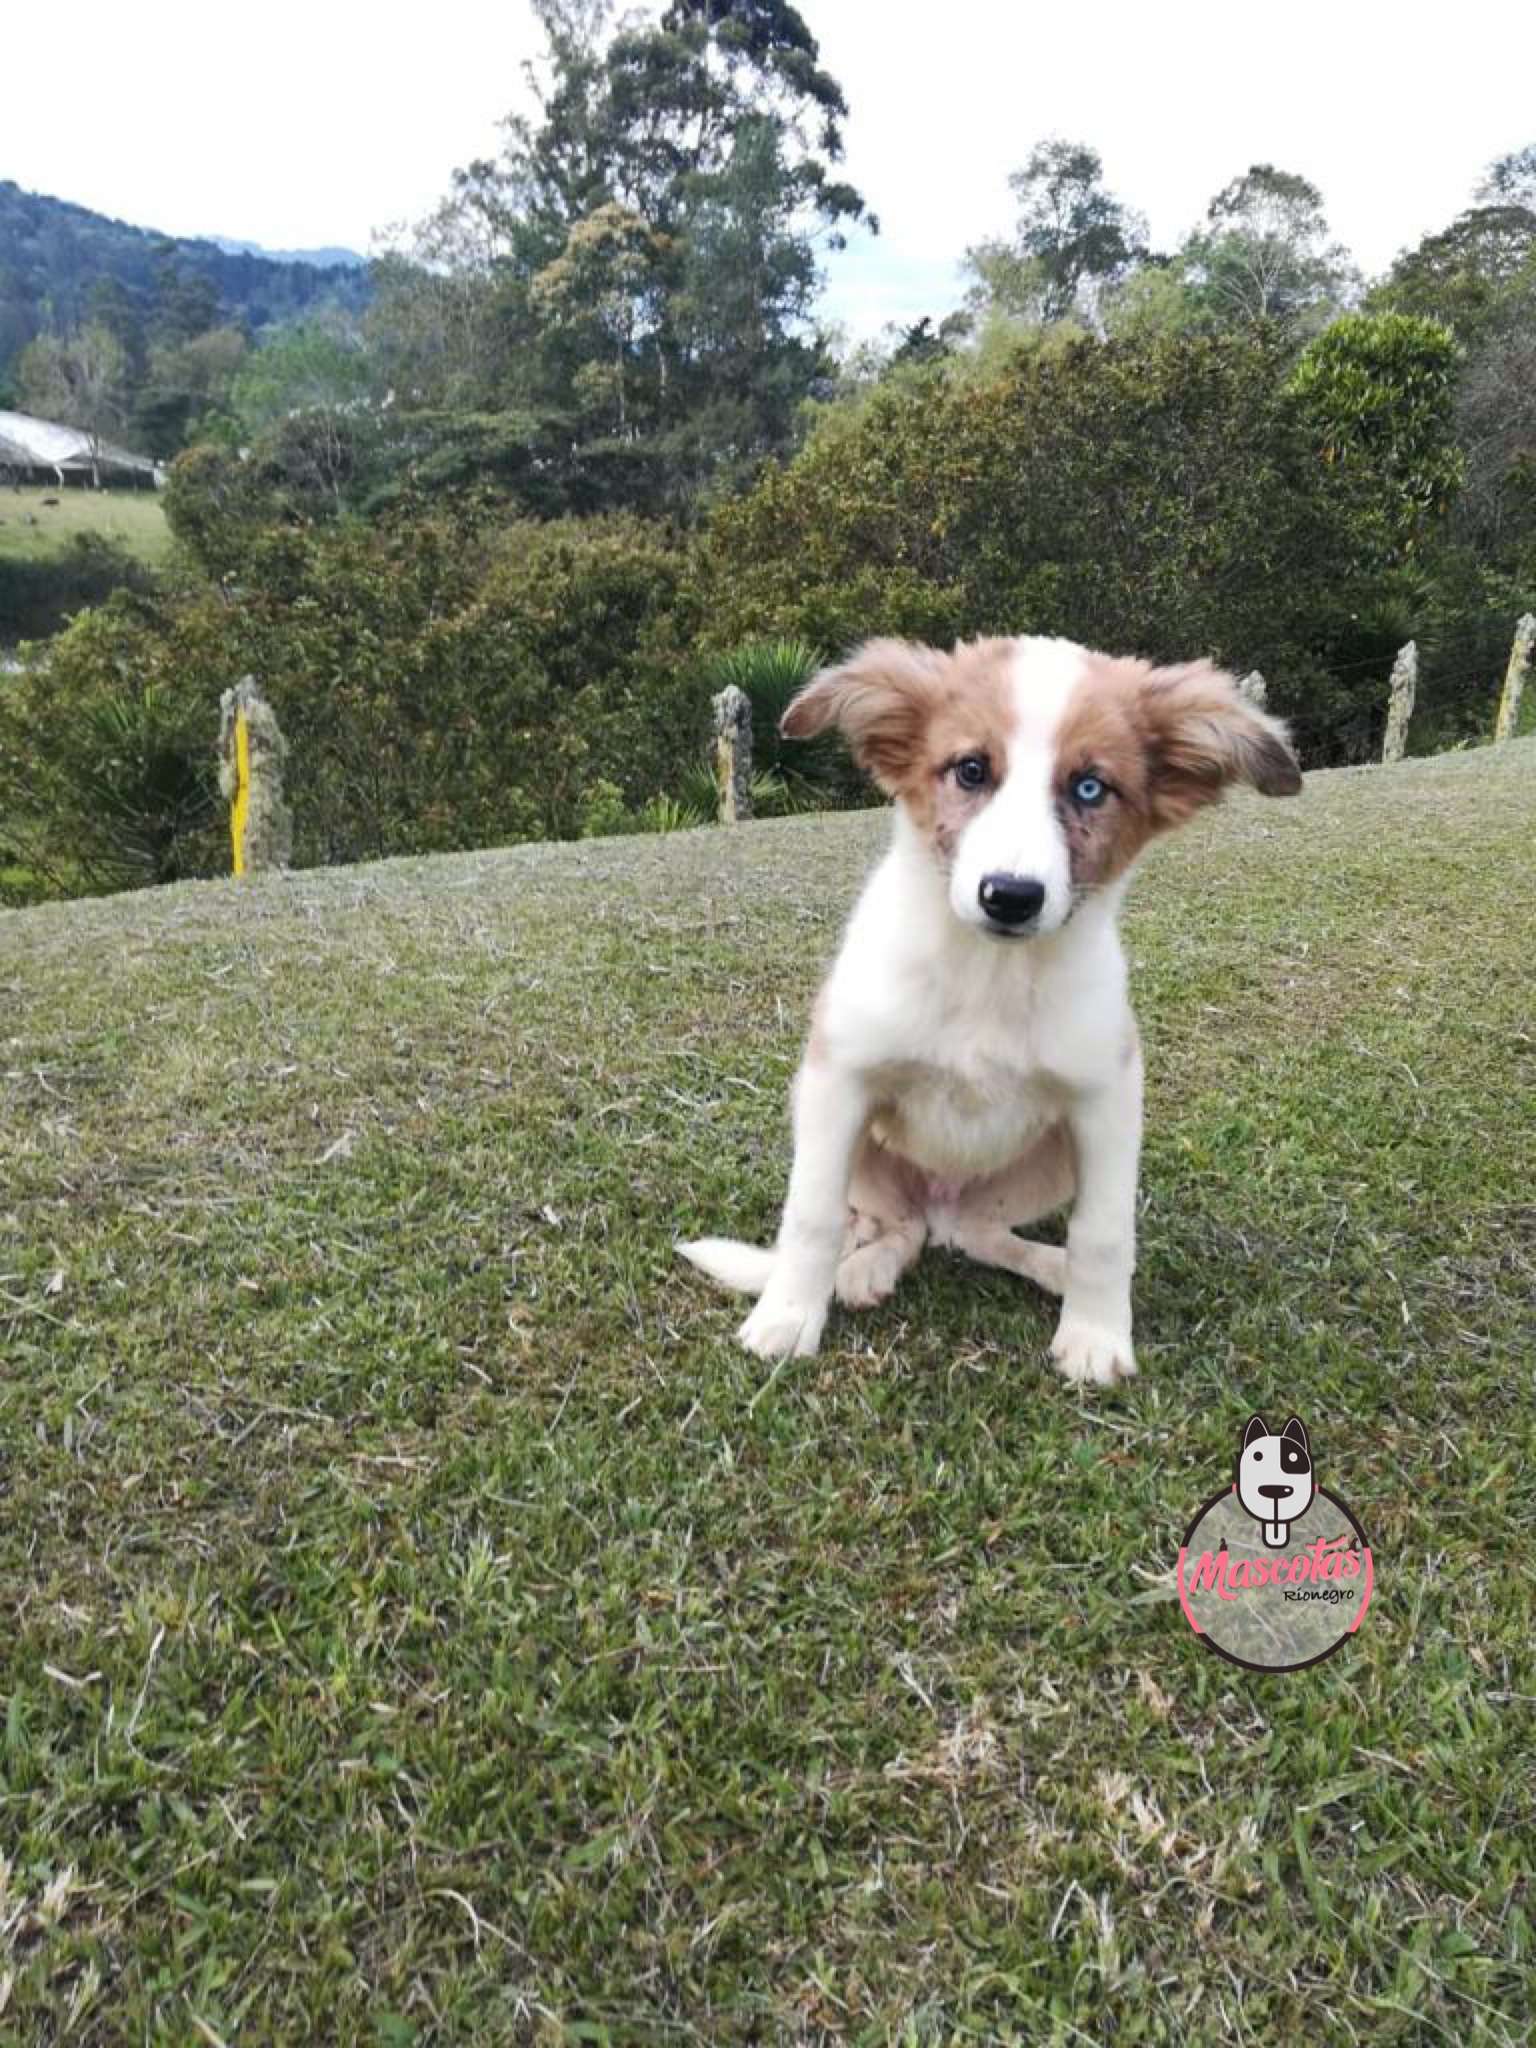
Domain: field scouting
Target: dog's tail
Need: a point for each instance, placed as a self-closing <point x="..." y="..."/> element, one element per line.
<point x="744" y="1268"/>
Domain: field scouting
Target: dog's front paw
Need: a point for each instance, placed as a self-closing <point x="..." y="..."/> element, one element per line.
<point x="1091" y="1354"/>
<point x="783" y="1329"/>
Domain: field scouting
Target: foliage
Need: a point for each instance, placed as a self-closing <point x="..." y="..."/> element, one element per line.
<point x="800" y="773"/>
<point x="1165" y="497"/>
<point x="442" y="683"/>
<point x="81" y="380"/>
<point x="1265" y="253"/>
<point x="185" y="392"/>
<point x="632" y="281"/>
<point x="1381" y="388"/>
<point x="106" y="781"/>
<point x="1072" y="238"/>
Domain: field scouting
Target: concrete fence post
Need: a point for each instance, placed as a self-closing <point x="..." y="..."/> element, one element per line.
<point x="1515" y="676"/>
<point x="733" y="754"/>
<point x="252" y="751"/>
<point x="1405" y="685"/>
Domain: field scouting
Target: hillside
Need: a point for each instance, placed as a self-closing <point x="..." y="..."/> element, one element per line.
<point x="427" y="1626"/>
<point x="52" y="252"/>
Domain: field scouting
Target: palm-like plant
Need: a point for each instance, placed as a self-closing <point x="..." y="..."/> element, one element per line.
<point x="799" y="774"/>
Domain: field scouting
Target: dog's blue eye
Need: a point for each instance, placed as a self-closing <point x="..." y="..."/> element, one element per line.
<point x="1089" y="790"/>
<point x="972" y="771"/>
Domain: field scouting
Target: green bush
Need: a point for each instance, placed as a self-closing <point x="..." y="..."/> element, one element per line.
<point x="107" y="778"/>
<point x="789" y="775"/>
<point x="442" y="683"/>
<point x="1380" y="389"/>
<point x="1164" y="497"/>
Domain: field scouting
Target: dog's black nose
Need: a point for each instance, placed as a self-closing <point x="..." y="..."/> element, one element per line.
<point x="1011" y="900"/>
<point x="1277" y="1492"/>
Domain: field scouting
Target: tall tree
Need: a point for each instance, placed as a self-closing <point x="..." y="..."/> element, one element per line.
<point x="640" y="261"/>
<point x="1266" y="253"/>
<point x="1073" y="237"/>
<point x="1511" y="180"/>
<point x="80" y="380"/>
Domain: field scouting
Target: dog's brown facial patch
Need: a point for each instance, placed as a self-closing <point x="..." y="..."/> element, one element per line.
<point x="919" y="722"/>
<point x="966" y="735"/>
<point x="1163" y="742"/>
<point x="1101" y="736"/>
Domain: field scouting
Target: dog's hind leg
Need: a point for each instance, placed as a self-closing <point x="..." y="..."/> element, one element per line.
<point x="886" y="1227"/>
<point x="993" y="1245"/>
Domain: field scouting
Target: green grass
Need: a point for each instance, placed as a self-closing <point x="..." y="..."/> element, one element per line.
<point x="32" y="530"/>
<point x="424" y="1625"/>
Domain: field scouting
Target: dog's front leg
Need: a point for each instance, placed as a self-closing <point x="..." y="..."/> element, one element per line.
<point x="831" y="1108"/>
<point x="1093" y="1338"/>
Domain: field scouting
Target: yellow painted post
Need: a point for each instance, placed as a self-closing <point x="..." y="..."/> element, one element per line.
<point x="240" y="807"/>
<point x="251" y="755"/>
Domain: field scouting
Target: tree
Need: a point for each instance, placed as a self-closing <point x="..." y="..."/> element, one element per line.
<point x="1475" y="275"/>
<point x="1265" y="253"/>
<point x="635" y="273"/>
<point x="186" y="388"/>
<point x="1381" y="388"/>
<point x="310" y="368"/>
<point x="1073" y="238"/>
<point x="601" y="295"/>
<point x="1511" y="180"/>
<point x="79" y="380"/>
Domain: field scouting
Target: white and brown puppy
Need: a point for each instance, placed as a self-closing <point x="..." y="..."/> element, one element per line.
<point x="973" y="1061"/>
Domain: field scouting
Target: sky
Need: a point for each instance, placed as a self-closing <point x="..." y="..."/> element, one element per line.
<point x="323" y="123"/>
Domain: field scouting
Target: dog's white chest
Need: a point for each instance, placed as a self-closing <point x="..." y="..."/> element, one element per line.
<point x="969" y="1109"/>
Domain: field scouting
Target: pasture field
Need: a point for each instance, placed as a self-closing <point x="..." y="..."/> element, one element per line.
<point x="422" y="1625"/>
<point x="32" y="529"/>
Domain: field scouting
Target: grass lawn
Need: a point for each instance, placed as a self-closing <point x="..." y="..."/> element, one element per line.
<point x="422" y="1625"/>
<point x="34" y="530"/>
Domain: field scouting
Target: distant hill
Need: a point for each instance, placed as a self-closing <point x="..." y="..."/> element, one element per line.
<point x="322" y="259"/>
<point x="54" y="253"/>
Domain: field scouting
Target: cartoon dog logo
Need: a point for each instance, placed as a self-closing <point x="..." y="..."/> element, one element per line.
<point x="1274" y="1476"/>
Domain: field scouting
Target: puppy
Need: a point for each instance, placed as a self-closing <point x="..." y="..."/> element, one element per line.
<point x="973" y="1062"/>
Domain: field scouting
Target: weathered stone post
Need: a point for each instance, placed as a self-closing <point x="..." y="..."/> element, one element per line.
<point x="1405" y="684"/>
<point x="252" y="751"/>
<point x="1255" y="689"/>
<point x="1515" y="675"/>
<point x="733" y="754"/>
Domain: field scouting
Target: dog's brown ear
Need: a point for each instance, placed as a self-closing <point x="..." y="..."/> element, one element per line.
<point x="880" y="699"/>
<point x="1202" y="734"/>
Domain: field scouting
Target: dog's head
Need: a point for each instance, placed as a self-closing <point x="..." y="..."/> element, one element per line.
<point x="1037" y="770"/>
<point x="1274" y="1473"/>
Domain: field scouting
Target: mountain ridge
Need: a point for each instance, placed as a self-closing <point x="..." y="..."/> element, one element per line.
<point x="55" y="252"/>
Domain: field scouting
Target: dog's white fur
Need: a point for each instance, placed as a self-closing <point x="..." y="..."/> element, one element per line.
<point x="961" y="1082"/>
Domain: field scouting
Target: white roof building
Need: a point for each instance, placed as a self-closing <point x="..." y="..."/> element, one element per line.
<point x="30" y="444"/>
